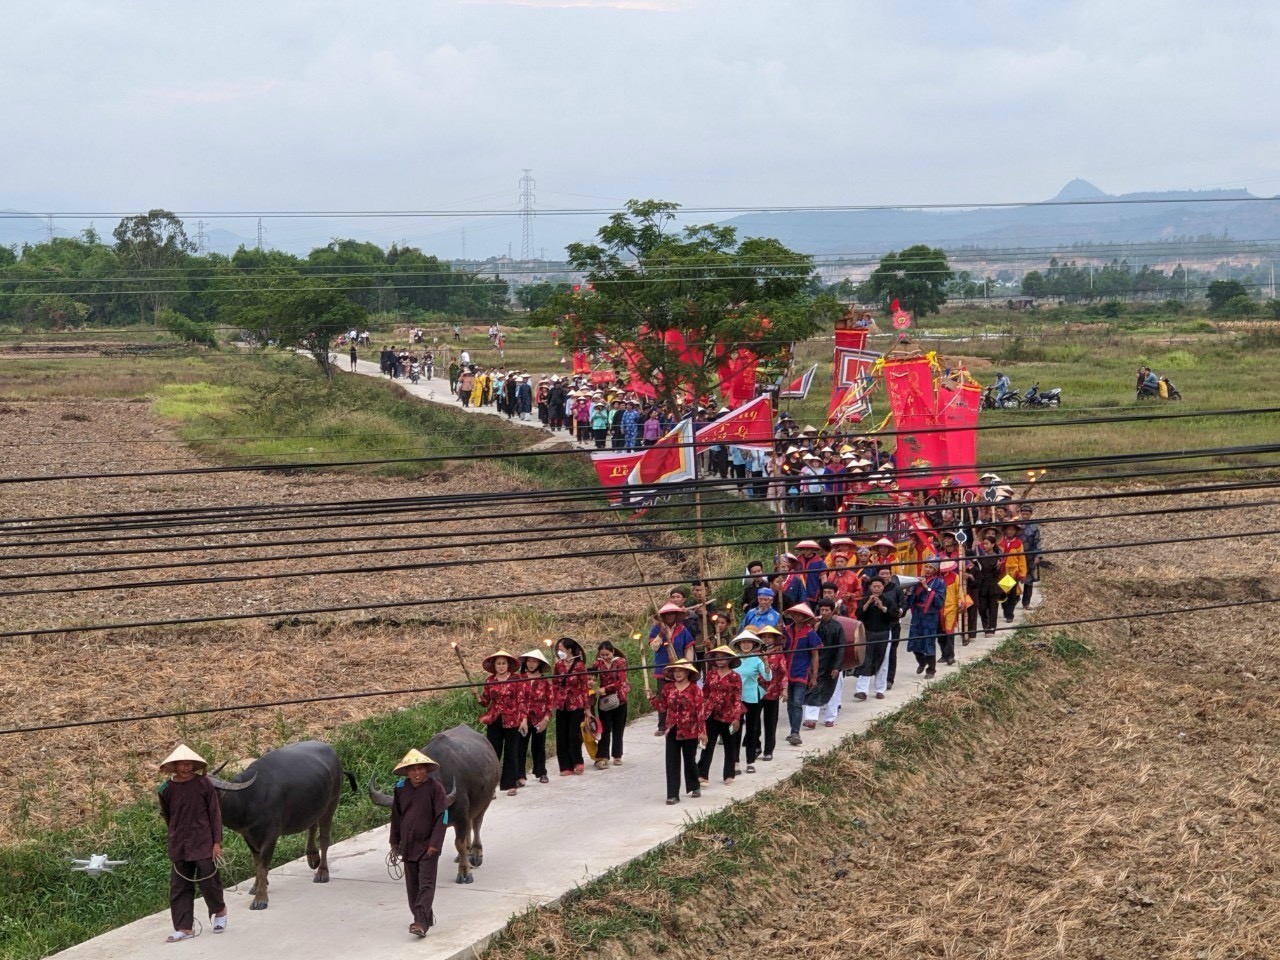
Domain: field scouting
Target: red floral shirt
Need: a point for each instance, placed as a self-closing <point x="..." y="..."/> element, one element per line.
<point x="777" y="663"/>
<point x="505" y="700"/>
<point x="722" y="696"/>
<point x="683" y="709"/>
<point x="538" y="695"/>
<point x="571" y="685"/>
<point x="612" y="676"/>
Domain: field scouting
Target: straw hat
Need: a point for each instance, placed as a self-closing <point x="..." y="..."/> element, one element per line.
<point x="768" y="635"/>
<point x="809" y="428"/>
<point x="487" y="663"/>
<point x="734" y="660"/>
<point x="681" y="664"/>
<point x="808" y="545"/>
<point x="671" y="608"/>
<point x="746" y="636"/>
<point x="800" y="610"/>
<point x="885" y="542"/>
<point x="535" y="654"/>
<point x="183" y="752"/>
<point x="415" y="758"/>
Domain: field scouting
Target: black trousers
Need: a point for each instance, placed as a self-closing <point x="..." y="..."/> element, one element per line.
<point x="612" y="723"/>
<point x="420" y="885"/>
<point x="506" y="744"/>
<point x="569" y="739"/>
<point x="182" y="892"/>
<point x="946" y="647"/>
<point x="895" y="633"/>
<point x="1028" y="588"/>
<point x="1009" y="604"/>
<point x="987" y="605"/>
<point x="717" y="730"/>
<point x="750" y="733"/>
<point x="681" y="756"/>
<point x="769" y="725"/>
<point x="535" y="740"/>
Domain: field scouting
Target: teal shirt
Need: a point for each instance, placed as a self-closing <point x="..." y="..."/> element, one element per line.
<point x="753" y="671"/>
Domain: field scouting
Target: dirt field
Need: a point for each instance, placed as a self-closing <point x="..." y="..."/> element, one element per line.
<point x="76" y="675"/>
<point x="1122" y="808"/>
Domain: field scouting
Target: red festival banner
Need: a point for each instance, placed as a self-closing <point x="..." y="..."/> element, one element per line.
<point x="748" y="426"/>
<point x="614" y="468"/>
<point x="919" y="453"/>
<point x="737" y="373"/>
<point x="958" y="406"/>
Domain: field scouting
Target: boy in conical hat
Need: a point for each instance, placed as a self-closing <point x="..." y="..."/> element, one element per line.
<point x="417" y="834"/>
<point x="189" y="805"/>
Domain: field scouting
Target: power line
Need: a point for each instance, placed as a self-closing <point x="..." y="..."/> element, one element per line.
<point x="442" y="688"/>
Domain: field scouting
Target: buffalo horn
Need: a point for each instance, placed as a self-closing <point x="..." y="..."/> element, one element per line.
<point x="377" y="796"/>
<point x="453" y="792"/>
<point x="228" y="785"/>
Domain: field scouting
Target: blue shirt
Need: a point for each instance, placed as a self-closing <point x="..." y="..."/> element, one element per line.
<point x="753" y="672"/>
<point x="681" y="640"/>
<point x="755" y="617"/>
<point x="802" y="655"/>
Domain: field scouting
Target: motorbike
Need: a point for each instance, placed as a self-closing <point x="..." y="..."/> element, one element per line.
<point x="1049" y="398"/>
<point x="1165" y="390"/>
<point x="1010" y="401"/>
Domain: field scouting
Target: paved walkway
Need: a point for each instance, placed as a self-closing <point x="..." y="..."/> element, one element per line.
<point x="539" y="845"/>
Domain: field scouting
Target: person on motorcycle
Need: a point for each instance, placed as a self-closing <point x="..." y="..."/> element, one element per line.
<point x="1148" y="383"/>
<point x="1002" y="386"/>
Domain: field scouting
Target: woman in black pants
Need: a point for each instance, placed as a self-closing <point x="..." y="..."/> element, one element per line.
<point x="538" y="698"/>
<point x="984" y="582"/>
<point x="505" y="717"/>
<point x="572" y="688"/>
<point x="755" y="674"/>
<point x="680" y="703"/>
<point x="611" y="677"/>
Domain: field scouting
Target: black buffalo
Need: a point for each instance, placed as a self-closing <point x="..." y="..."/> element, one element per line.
<point x="469" y="772"/>
<point x="290" y="789"/>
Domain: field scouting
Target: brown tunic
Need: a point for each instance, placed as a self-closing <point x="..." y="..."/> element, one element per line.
<point x="417" y="818"/>
<point x="195" y="820"/>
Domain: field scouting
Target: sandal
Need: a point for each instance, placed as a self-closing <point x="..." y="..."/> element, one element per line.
<point x="617" y="761"/>
<point x="511" y="792"/>
<point x="543" y="779"/>
<point x="179" y="935"/>
<point x="219" y="923"/>
<point x="416" y="930"/>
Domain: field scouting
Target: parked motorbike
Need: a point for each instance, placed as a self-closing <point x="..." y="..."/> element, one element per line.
<point x="1010" y="401"/>
<point x="1049" y="398"/>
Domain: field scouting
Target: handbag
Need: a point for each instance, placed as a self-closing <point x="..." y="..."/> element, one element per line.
<point x="610" y="701"/>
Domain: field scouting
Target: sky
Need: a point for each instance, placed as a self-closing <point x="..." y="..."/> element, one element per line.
<point x="440" y="105"/>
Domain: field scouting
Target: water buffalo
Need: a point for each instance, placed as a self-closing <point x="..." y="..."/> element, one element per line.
<point x="469" y="772"/>
<point x="288" y="790"/>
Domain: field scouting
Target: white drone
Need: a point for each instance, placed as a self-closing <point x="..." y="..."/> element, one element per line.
<point x="96" y="865"/>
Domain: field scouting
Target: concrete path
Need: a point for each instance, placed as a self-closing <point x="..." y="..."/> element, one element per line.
<point x="538" y="846"/>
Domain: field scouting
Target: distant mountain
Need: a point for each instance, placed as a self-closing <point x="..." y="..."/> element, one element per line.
<point x="1079" y="213"/>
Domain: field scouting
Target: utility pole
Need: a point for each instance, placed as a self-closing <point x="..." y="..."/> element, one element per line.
<point x="49" y="226"/>
<point x="201" y="237"/>
<point x="526" y="215"/>
<point x="260" y="231"/>
<point x="464" y="243"/>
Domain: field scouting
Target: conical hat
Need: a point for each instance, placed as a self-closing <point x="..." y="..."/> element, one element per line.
<point x="487" y="663"/>
<point x="183" y="752"/>
<point x="730" y="653"/>
<point x="536" y="654"/>
<point x="681" y="664"/>
<point x="415" y="758"/>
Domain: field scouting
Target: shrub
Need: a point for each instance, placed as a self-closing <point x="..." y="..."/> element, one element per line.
<point x="184" y="328"/>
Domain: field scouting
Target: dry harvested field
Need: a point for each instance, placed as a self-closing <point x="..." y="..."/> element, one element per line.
<point x="66" y="676"/>
<point x="1125" y="806"/>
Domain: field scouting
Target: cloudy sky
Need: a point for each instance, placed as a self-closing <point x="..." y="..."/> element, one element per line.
<point x="439" y="104"/>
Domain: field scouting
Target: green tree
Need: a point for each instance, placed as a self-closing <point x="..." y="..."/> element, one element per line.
<point x="1222" y="292"/>
<point x="152" y="246"/>
<point x="917" y="278"/>
<point x="306" y="316"/>
<point x="679" y="295"/>
<point x="534" y="296"/>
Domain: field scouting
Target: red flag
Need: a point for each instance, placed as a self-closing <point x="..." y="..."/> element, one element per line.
<point x="798" y="389"/>
<point x="737" y="372"/>
<point x="748" y="426"/>
<point x="614" y="468"/>
<point x="670" y="460"/>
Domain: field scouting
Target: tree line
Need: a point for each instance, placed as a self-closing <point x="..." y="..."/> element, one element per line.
<point x="151" y="272"/>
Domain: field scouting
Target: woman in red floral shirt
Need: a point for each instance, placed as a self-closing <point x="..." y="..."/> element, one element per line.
<point x="570" y="700"/>
<point x="506" y="716"/>
<point x="722" y="707"/>
<point x="611" y="677"/>
<point x="538" y="704"/>
<point x="680" y="702"/>
<point x="774" y="690"/>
